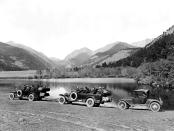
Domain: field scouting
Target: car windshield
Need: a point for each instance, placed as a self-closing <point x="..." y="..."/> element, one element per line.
<point x="139" y="94"/>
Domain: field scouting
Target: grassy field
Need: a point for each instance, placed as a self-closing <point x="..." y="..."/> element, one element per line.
<point x="48" y="115"/>
<point x="17" y="74"/>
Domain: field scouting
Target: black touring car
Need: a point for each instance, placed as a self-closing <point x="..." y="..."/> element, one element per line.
<point x="91" y="97"/>
<point x="141" y="100"/>
<point x="30" y="92"/>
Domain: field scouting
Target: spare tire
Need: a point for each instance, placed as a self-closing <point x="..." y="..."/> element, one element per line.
<point x="73" y="96"/>
<point x="19" y="93"/>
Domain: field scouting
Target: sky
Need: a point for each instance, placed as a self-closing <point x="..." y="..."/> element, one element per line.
<point x="57" y="27"/>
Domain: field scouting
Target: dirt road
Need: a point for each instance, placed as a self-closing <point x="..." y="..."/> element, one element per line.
<point x="22" y="115"/>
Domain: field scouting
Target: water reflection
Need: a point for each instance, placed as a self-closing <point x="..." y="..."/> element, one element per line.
<point x="120" y="87"/>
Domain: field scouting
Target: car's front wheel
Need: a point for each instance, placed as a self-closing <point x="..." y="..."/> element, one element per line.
<point x="32" y="97"/>
<point x="11" y="96"/>
<point x="155" y="107"/>
<point x="90" y="102"/>
<point x="122" y="105"/>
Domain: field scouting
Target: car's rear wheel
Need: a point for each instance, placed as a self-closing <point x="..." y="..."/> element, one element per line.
<point x="155" y="106"/>
<point x="32" y="97"/>
<point x="61" y="100"/>
<point x="122" y="105"/>
<point x="11" y="96"/>
<point x="90" y="102"/>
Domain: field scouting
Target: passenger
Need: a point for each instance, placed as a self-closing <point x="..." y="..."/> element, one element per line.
<point x="94" y="90"/>
<point x="87" y="89"/>
<point x="143" y="98"/>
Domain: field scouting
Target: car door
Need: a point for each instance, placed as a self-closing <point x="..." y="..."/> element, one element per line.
<point x="136" y="99"/>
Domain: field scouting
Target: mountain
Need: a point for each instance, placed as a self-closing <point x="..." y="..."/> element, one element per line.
<point x="110" y="52"/>
<point x="86" y="57"/>
<point x="117" y="56"/>
<point x="15" y="58"/>
<point x="105" y="48"/>
<point x="142" y="43"/>
<point x="78" y="57"/>
<point x="35" y="53"/>
<point x="161" y="47"/>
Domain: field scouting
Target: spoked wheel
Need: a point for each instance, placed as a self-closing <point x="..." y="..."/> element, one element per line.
<point x="90" y="102"/>
<point x="155" y="107"/>
<point x="11" y="96"/>
<point x="31" y="97"/>
<point x="61" y="100"/>
<point x="122" y="105"/>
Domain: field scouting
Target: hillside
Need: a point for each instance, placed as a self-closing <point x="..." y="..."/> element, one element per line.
<point x="35" y="53"/>
<point x="76" y="58"/>
<point x="117" y="56"/>
<point x="86" y="57"/>
<point x="112" y="52"/>
<point x="142" y="43"/>
<point x="161" y="47"/>
<point x="14" y="58"/>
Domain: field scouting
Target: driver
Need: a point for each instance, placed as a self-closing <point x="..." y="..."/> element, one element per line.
<point x="142" y="98"/>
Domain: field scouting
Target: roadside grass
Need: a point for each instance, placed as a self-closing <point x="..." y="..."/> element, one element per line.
<point x="17" y="74"/>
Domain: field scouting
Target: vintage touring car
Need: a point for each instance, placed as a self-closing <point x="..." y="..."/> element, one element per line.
<point x="30" y="92"/>
<point x="141" y="100"/>
<point x="91" y="97"/>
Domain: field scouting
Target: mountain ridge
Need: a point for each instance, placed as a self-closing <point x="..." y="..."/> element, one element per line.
<point x="14" y="58"/>
<point x="35" y="53"/>
<point x="80" y="57"/>
<point x="162" y="47"/>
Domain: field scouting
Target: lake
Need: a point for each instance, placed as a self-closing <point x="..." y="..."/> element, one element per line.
<point x="120" y="87"/>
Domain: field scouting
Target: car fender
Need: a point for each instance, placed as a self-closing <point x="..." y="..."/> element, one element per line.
<point x="65" y="95"/>
<point x="149" y="101"/>
<point x="128" y="101"/>
<point x="96" y="100"/>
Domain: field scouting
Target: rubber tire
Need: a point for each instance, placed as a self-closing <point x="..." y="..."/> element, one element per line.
<point x="73" y="96"/>
<point x="11" y="96"/>
<point x="62" y="100"/>
<point x="154" y="109"/>
<point x="90" y="102"/>
<point x="122" y="105"/>
<point x="32" y="97"/>
<point x="19" y="93"/>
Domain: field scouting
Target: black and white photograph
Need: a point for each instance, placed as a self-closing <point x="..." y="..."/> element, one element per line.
<point x="86" y="65"/>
